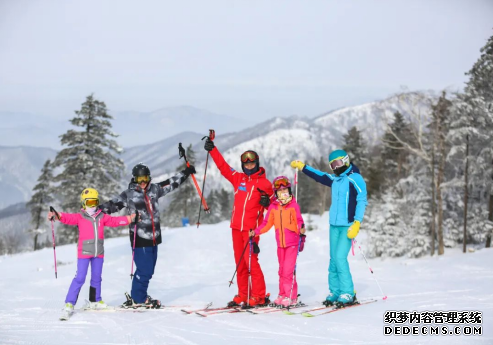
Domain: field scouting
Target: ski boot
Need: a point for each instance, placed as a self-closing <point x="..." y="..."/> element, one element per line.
<point x="97" y="305"/>
<point x="151" y="303"/>
<point x="346" y="299"/>
<point x="237" y="301"/>
<point x="129" y="303"/>
<point x="67" y="312"/>
<point x="330" y="299"/>
<point x="277" y="302"/>
<point x="257" y="302"/>
<point x="288" y="302"/>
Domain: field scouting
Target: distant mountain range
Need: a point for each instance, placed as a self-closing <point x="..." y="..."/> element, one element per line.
<point x="277" y="140"/>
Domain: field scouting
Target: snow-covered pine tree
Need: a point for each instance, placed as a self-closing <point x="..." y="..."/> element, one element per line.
<point x="387" y="235"/>
<point x="185" y="202"/>
<point x="40" y="202"/>
<point x="480" y="88"/>
<point x="226" y="203"/>
<point x="356" y="148"/>
<point x="88" y="160"/>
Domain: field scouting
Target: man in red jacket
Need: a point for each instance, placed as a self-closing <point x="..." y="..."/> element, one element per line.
<point x="252" y="196"/>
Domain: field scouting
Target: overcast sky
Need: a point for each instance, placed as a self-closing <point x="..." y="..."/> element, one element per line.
<point x="251" y="58"/>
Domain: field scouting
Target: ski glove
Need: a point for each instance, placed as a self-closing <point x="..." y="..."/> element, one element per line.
<point x="264" y="200"/>
<point x="189" y="170"/>
<point x="353" y="230"/>
<point x="297" y="165"/>
<point x="302" y="244"/>
<point x="209" y="145"/>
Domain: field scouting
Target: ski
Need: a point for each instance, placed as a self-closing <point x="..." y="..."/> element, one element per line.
<point x="206" y="309"/>
<point x="209" y="312"/>
<point x="276" y="309"/>
<point x="334" y="309"/>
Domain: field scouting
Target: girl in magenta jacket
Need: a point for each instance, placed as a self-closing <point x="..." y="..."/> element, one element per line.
<point x="284" y="214"/>
<point x="90" y="247"/>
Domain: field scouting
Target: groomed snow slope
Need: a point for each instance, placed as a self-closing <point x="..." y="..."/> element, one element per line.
<point x="194" y="268"/>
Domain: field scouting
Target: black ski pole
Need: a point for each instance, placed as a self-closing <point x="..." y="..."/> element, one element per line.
<point x="239" y="262"/>
<point x="211" y="137"/>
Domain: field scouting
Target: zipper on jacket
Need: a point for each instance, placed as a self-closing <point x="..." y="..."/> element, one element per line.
<point x="281" y="233"/>
<point x="347" y="206"/>
<point x="149" y="207"/>
<point x="95" y="238"/>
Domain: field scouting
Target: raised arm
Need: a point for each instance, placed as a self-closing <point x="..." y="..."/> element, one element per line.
<point x="114" y="222"/>
<point x="173" y="182"/>
<point x="115" y="204"/>
<point x="227" y="171"/>
<point x="69" y="218"/>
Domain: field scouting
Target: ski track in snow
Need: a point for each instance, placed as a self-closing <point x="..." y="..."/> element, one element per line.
<point x="194" y="267"/>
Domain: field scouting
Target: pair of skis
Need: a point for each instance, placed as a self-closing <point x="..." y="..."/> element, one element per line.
<point x="317" y="311"/>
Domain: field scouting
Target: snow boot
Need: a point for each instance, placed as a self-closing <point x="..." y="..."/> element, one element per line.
<point x="330" y="299"/>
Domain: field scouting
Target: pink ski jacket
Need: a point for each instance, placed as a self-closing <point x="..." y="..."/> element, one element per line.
<point x="91" y="231"/>
<point x="286" y="219"/>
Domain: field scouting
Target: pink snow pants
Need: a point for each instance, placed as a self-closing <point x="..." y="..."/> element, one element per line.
<point x="287" y="261"/>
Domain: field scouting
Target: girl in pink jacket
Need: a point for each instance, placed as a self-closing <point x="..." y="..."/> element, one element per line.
<point x="284" y="213"/>
<point x="90" y="247"/>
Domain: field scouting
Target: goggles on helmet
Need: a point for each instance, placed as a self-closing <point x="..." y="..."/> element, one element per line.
<point x="91" y="202"/>
<point x="249" y="156"/>
<point x="281" y="182"/>
<point x="140" y="179"/>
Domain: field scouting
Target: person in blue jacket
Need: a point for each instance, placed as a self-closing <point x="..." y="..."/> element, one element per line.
<point x="345" y="216"/>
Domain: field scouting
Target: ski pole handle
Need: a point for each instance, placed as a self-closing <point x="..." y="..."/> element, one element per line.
<point x="52" y="209"/>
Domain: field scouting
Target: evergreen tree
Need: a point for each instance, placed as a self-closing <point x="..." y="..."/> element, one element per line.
<point x="226" y="203"/>
<point x="394" y="157"/>
<point x="185" y="202"/>
<point x="87" y="160"/>
<point x="480" y="91"/>
<point x="355" y="146"/>
<point x="40" y="202"/>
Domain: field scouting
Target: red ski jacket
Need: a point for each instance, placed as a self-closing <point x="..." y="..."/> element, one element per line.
<point x="247" y="211"/>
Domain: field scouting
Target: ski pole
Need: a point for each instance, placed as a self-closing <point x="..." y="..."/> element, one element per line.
<point x="181" y="151"/>
<point x="133" y="245"/>
<point x="211" y="137"/>
<point x="52" y="209"/>
<point x="372" y="274"/>
<point x="238" y="265"/>
<point x="296" y="184"/>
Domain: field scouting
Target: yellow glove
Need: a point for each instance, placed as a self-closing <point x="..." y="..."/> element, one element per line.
<point x="297" y="164"/>
<point x="353" y="230"/>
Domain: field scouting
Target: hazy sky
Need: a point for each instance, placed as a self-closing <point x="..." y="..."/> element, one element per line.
<point x="243" y="58"/>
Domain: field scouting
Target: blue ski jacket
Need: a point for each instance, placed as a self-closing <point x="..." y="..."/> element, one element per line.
<point x="348" y="194"/>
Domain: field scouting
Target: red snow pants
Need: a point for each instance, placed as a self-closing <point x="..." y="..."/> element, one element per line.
<point x="240" y="240"/>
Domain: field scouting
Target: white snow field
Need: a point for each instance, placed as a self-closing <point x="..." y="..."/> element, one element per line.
<point x="194" y="268"/>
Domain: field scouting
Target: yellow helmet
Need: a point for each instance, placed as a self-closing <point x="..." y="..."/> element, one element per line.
<point x="89" y="197"/>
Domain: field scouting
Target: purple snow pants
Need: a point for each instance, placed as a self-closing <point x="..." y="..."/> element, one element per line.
<point x="80" y="278"/>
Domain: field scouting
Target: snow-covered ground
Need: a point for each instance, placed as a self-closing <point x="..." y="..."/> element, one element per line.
<point x="194" y="268"/>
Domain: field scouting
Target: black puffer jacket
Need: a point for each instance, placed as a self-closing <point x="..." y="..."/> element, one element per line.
<point x="146" y="202"/>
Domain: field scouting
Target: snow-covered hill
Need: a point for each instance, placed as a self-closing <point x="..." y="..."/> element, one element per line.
<point x="277" y="140"/>
<point x="194" y="267"/>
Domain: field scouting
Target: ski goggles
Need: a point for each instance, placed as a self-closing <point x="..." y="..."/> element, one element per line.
<point x="249" y="156"/>
<point x="140" y="179"/>
<point x="339" y="162"/>
<point x="91" y="202"/>
<point x="281" y="182"/>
